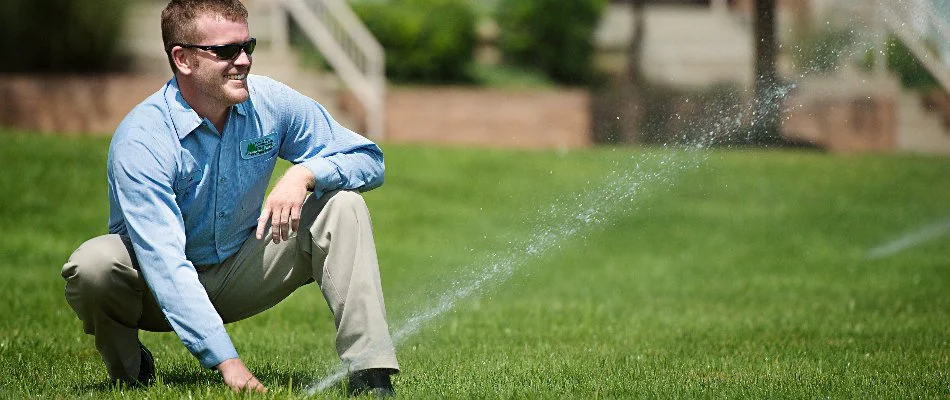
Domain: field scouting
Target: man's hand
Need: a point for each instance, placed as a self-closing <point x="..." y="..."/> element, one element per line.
<point x="238" y="377"/>
<point x="282" y="207"/>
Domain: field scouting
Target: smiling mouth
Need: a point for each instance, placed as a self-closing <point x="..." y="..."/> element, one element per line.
<point x="237" y="77"/>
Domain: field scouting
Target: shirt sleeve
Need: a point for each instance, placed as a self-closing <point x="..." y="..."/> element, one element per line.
<point x="141" y="176"/>
<point x="338" y="157"/>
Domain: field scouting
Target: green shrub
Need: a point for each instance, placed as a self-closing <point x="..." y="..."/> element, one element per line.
<point x="553" y="36"/>
<point x="61" y="35"/>
<point x="425" y="40"/>
<point x="912" y="74"/>
<point x="903" y="63"/>
<point x="821" y="51"/>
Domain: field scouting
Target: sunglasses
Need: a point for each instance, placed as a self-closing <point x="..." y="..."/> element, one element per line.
<point x="225" y="51"/>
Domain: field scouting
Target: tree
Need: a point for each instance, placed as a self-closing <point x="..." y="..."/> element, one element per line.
<point x="765" y="121"/>
<point x="619" y="104"/>
<point x="62" y="35"/>
<point x="631" y="81"/>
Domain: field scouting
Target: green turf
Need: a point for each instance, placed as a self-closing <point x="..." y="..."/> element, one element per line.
<point x="730" y="274"/>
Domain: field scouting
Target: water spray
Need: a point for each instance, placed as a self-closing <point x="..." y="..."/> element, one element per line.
<point x="622" y="190"/>
<point x="910" y="239"/>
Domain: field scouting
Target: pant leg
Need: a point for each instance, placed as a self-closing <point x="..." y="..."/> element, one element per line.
<point x="342" y="252"/>
<point x="107" y="292"/>
<point x="256" y="278"/>
<point x="333" y="247"/>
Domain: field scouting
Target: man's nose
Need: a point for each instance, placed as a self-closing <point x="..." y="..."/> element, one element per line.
<point x="243" y="58"/>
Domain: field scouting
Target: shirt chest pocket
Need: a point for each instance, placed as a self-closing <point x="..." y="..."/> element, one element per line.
<point x="257" y="157"/>
<point x="189" y="175"/>
<point x="259" y="150"/>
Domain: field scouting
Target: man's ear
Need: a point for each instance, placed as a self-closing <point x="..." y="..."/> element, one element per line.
<point x="183" y="62"/>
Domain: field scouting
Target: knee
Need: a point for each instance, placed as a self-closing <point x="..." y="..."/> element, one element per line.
<point x="90" y="267"/>
<point x="348" y="199"/>
<point x="341" y="209"/>
<point x="342" y="204"/>
<point x="348" y="207"/>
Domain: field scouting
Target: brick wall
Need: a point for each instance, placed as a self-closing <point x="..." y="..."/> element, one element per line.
<point x="443" y="115"/>
<point x="93" y="104"/>
<point x="860" y="122"/>
<point x="489" y="117"/>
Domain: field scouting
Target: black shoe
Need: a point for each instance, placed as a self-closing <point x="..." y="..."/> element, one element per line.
<point x="374" y="382"/>
<point x="146" y="368"/>
<point x="146" y="375"/>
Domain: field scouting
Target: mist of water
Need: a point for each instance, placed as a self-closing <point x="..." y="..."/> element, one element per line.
<point x="910" y="239"/>
<point x="575" y="217"/>
<point x="621" y="192"/>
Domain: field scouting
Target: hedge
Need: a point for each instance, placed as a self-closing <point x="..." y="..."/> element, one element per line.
<point x="61" y="35"/>
<point x="552" y="36"/>
<point x="425" y="40"/>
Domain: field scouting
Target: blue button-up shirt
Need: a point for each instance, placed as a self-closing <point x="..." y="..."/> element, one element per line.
<point x="189" y="195"/>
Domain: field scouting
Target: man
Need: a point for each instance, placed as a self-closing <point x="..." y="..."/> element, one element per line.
<point x="191" y="246"/>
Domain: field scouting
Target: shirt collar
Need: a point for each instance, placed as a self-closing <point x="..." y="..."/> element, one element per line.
<point x="185" y="119"/>
<point x="241" y="108"/>
<point x="182" y="115"/>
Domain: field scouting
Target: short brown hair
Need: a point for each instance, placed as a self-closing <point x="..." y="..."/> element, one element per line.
<point x="179" y="16"/>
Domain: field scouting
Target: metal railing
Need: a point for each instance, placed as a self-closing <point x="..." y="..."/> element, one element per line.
<point x="924" y="27"/>
<point x="350" y="48"/>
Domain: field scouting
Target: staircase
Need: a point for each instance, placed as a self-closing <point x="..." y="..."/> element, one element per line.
<point x="919" y="130"/>
<point x="924" y="27"/>
<point x="899" y="116"/>
<point x="355" y="55"/>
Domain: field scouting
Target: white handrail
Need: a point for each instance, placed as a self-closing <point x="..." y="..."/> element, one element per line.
<point x="901" y="20"/>
<point x="349" y="47"/>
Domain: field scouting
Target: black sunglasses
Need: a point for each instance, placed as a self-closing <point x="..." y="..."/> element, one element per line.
<point x="225" y="51"/>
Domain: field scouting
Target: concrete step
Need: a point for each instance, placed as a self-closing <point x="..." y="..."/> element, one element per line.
<point x="855" y="111"/>
<point x="919" y="130"/>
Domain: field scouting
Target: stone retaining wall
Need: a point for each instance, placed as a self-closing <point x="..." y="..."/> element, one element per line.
<point x="93" y="104"/>
<point x="845" y="124"/>
<point x="437" y="115"/>
<point x="489" y="117"/>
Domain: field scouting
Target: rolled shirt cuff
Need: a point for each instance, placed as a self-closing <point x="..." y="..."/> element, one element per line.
<point x="214" y="350"/>
<point x="325" y="174"/>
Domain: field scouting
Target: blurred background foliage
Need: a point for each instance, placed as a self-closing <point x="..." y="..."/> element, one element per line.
<point x="911" y="72"/>
<point x="820" y="51"/>
<point x="554" y="36"/>
<point x="540" y="42"/>
<point x="62" y="35"/>
<point x="824" y="50"/>
<point x="429" y="41"/>
<point x="434" y="41"/>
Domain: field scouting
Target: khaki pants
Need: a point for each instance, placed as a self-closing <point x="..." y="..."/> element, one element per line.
<point x="333" y="247"/>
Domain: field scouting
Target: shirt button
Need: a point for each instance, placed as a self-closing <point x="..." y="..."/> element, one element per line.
<point x="222" y="214"/>
<point x="222" y="179"/>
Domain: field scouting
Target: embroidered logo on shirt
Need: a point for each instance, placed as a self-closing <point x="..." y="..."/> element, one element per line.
<point x="252" y="148"/>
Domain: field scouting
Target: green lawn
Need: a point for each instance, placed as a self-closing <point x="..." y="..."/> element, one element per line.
<point x="725" y="274"/>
